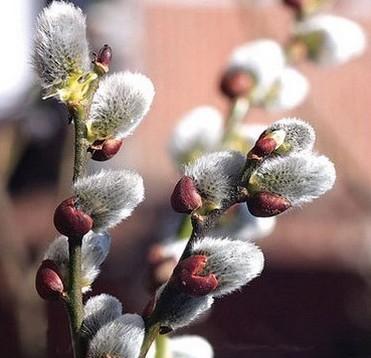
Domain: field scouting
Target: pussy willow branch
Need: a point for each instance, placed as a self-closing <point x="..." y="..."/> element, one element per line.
<point x="74" y="294"/>
<point x="201" y="226"/>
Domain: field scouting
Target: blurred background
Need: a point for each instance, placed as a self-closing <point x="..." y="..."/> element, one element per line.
<point x="314" y="296"/>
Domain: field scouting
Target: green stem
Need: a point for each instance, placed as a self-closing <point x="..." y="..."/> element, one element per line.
<point x="162" y="347"/>
<point x="152" y="332"/>
<point x="185" y="228"/>
<point x="74" y="300"/>
<point x="74" y="295"/>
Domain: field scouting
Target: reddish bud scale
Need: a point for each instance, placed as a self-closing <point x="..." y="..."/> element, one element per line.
<point x="186" y="277"/>
<point x="265" y="204"/>
<point x="236" y="83"/>
<point x="49" y="284"/>
<point x="105" y="55"/>
<point x="104" y="150"/>
<point x="70" y="221"/>
<point x="185" y="197"/>
<point x="263" y="147"/>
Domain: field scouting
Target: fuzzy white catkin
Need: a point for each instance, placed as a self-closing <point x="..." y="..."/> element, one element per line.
<point x="343" y="39"/>
<point x="300" y="135"/>
<point x="299" y="178"/>
<point x="290" y="90"/>
<point x="94" y="250"/>
<point x="98" y="311"/>
<point x="119" y="105"/>
<point x="109" y="196"/>
<point x="264" y="59"/>
<point x="234" y="262"/>
<point x="61" y="47"/>
<point x="200" y="130"/>
<point x="120" y="338"/>
<point x="186" y="347"/>
<point x="216" y="175"/>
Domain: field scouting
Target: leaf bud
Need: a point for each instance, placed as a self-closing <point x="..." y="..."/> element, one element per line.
<point x="106" y="149"/>
<point x="236" y="83"/>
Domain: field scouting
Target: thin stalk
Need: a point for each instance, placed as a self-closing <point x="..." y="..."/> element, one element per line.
<point x="162" y="347"/>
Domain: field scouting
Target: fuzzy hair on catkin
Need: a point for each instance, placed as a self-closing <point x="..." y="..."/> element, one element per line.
<point x="233" y="262"/>
<point x="119" y="105"/>
<point x="61" y="47"/>
<point x="299" y="178"/>
<point x="120" y="338"/>
<point x="216" y="175"/>
<point x="299" y="135"/>
<point x="109" y="196"/>
<point x="98" y="311"/>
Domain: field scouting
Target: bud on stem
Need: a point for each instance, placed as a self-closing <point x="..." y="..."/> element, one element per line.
<point x="106" y="149"/>
<point x="104" y="59"/>
<point x="71" y="221"/>
<point x="236" y="83"/>
<point x="49" y="284"/>
<point x="265" y="204"/>
<point x="185" y="197"/>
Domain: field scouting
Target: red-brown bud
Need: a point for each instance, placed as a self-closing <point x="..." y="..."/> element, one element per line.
<point x="71" y="221"/>
<point x="265" y="204"/>
<point x="49" y="284"/>
<point x="185" y="197"/>
<point x="105" y="55"/>
<point x="262" y="148"/>
<point x="236" y="83"/>
<point x="188" y="277"/>
<point x="104" y="150"/>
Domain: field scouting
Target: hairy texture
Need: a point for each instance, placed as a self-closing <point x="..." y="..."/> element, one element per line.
<point x="264" y="59"/>
<point x="199" y="131"/>
<point x="299" y="178"/>
<point x="216" y="175"/>
<point x="241" y="225"/>
<point x="341" y="39"/>
<point x="120" y="338"/>
<point x="98" y="311"/>
<point x="119" y="105"/>
<point x="181" y="309"/>
<point x="289" y="91"/>
<point x="109" y="196"/>
<point x="300" y="136"/>
<point x="186" y="347"/>
<point x="94" y="250"/>
<point x="234" y="262"/>
<point x="61" y="48"/>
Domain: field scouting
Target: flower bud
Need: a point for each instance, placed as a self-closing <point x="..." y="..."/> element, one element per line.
<point x="71" y="221"/>
<point x="185" y="197"/>
<point x="49" y="284"/>
<point x="265" y="204"/>
<point x="187" y="276"/>
<point x="236" y="83"/>
<point x="104" y="150"/>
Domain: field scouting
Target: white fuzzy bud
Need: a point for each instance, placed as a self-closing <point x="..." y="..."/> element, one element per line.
<point x="61" y="48"/>
<point x="120" y="338"/>
<point x="181" y="309"/>
<point x="216" y="175"/>
<point x="186" y="347"/>
<point x="199" y="131"/>
<point x="109" y="196"/>
<point x="299" y="178"/>
<point x="98" y="311"/>
<point x="94" y="249"/>
<point x="233" y="262"/>
<point x="339" y="40"/>
<point x="289" y="91"/>
<point x="264" y="60"/>
<point x="119" y="105"/>
<point x="299" y="135"/>
<point x="241" y="225"/>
